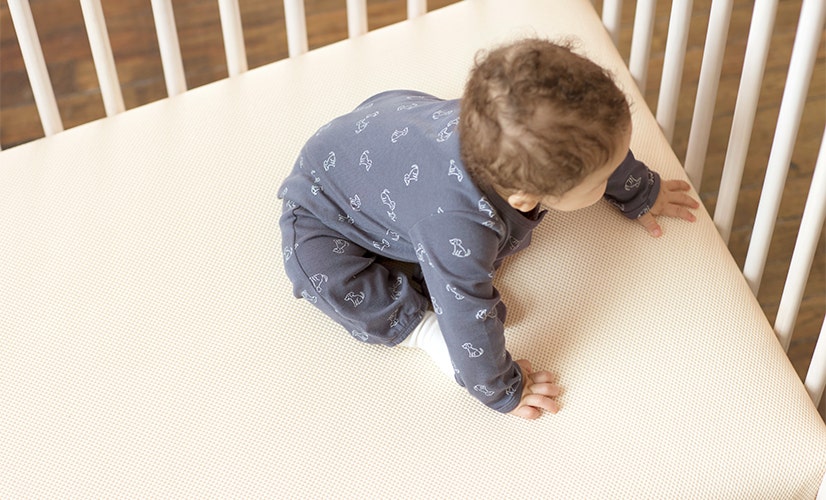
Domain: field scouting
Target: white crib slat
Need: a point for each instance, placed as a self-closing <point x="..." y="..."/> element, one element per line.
<point x="673" y="66"/>
<point x="804" y="52"/>
<point x="754" y="64"/>
<point x="814" y="214"/>
<point x="356" y="18"/>
<point x="296" y="27"/>
<point x="233" y="36"/>
<point x="641" y="41"/>
<point x="102" y="56"/>
<point x="173" y="66"/>
<point x="416" y="8"/>
<point x="44" y="98"/>
<point x="816" y="376"/>
<point x="611" y="18"/>
<point x="715" y="45"/>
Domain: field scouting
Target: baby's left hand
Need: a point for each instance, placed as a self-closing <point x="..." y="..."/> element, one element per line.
<point x="672" y="202"/>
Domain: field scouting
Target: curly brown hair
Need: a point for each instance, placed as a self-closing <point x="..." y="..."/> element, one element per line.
<point x="538" y="118"/>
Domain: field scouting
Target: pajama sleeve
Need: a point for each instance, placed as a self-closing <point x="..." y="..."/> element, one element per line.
<point x="457" y="255"/>
<point x="633" y="187"/>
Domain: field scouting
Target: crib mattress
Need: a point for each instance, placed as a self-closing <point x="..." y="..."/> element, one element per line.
<point x="150" y="344"/>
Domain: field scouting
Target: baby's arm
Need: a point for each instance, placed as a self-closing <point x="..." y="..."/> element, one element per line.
<point x="537" y="394"/>
<point x="640" y="194"/>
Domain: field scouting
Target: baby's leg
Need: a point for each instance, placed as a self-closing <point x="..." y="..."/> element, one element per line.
<point x="374" y="303"/>
<point x="427" y="336"/>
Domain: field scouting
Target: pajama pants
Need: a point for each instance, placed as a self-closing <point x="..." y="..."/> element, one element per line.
<point x="373" y="298"/>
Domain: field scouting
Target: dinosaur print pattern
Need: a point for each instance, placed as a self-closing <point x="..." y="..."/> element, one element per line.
<point x="632" y="182"/>
<point x="356" y="298"/>
<point x="318" y="280"/>
<point x="455" y="171"/>
<point x="316" y="188"/>
<point x="385" y="198"/>
<point x="330" y="162"/>
<point x="483" y="314"/>
<point x="452" y="289"/>
<point x="362" y="124"/>
<point x="458" y="249"/>
<point x="483" y="389"/>
<point x="309" y="298"/>
<point x="411" y="176"/>
<point x="486" y="207"/>
<point x="421" y="253"/>
<point x="398" y="134"/>
<point x="365" y="161"/>
<point x="472" y="352"/>
<point x="359" y="335"/>
<point x="446" y="132"/>
<point x="393" y="319"/>
<point x="340" y="245"/>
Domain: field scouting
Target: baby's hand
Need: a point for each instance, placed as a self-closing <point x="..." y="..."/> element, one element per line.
<point x="671" y="201"/>
<point x="537" y="393"/>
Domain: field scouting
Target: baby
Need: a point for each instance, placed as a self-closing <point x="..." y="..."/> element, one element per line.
<point x="397" y="215"/>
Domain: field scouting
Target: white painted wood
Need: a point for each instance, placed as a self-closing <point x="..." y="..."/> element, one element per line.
<point x="102" y="56"/>
<point x="672" y="75"/>
<point x="804" y="52"/>
<point x="715" y="45"/>
<point x="356" y="18"/>
<point x="641" y="41"/>
<point x="296" y="27"/>
<point x="173" y="66"/>
<point x="751" y="77"/>
<point x="808" y="237"/>
<point x="233" y="36"/>
<point x="44" y="98"/>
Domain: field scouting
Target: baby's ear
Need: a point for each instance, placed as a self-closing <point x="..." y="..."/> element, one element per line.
<point x="523" y="201"/>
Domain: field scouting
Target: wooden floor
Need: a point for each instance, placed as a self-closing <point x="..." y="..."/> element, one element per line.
<point x="131" y="27"/>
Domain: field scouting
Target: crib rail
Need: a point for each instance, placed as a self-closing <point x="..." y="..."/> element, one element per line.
<point x="173" y="68"/>
<point x="809" y="37"/>
<point x="21" y="14"/>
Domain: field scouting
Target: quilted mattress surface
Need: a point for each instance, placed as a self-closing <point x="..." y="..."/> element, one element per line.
<point x="150" y="345"/>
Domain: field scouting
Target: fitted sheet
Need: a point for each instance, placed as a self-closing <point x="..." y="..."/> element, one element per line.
<point x="150" y="344"/>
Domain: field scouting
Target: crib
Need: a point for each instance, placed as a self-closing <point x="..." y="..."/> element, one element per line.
<point x="150" y="345"/>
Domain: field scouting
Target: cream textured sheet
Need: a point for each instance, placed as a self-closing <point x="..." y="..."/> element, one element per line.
<point x="150" y="345"/>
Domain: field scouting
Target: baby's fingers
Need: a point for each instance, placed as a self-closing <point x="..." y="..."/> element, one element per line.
<point x="650" y="224"/>
<point x="546" y="389"/>
<point x="682" y="199"/>
<point x="541" y="402"/>
<point x="527" y="412"/>
<point x="679" y="211"/>
<point x="676" y="185"/>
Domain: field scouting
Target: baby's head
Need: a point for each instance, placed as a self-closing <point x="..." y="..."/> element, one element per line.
<point x="540" y="123"/>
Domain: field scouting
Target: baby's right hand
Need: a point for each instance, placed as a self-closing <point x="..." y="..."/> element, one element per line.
<point x="537" y="393"/>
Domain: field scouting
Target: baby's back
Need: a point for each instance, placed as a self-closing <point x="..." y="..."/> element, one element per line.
<point x="377" y="171"/>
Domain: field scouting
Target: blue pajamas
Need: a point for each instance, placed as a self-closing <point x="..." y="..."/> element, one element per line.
<point x="375" y="303"/>
<point x="385" y="183"/>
